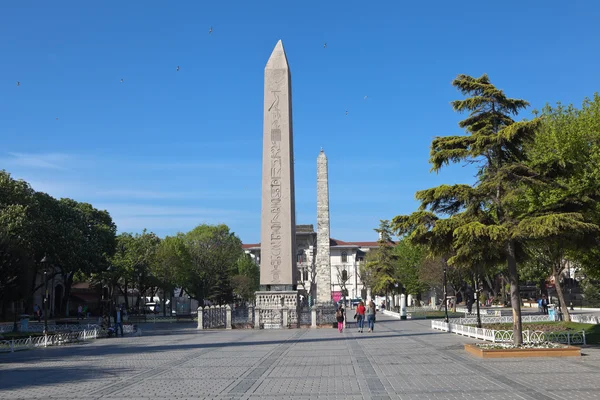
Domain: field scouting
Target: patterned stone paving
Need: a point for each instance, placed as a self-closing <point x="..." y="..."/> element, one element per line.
<point x="401" y="360"/>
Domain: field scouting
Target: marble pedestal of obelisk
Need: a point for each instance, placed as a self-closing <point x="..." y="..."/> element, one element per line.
<point x="277" y="302"/>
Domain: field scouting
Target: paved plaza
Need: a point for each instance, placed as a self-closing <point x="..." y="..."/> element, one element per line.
<point x="401" y="360"/>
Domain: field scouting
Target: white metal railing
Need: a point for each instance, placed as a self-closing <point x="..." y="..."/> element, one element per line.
<point x="506" y="336"/>
<point x="582" y="318"/>
<point x="502" y="320"/>
<point x="51" y="327"/>
<point x="585" y="318"/>
<point x="48" y="340"/>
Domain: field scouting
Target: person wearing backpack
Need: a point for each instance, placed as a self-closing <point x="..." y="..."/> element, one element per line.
<point x="339" y="316"/>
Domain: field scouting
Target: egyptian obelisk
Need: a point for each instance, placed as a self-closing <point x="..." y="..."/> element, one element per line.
<point x="323" y="263"/>
<point x="278" y="217"/>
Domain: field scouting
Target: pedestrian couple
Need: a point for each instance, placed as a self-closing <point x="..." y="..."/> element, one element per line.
<point x="367" y="312"/>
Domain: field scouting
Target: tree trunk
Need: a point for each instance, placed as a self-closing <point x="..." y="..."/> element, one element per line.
<point x="492" y="288"/>
<point x="68" y="281"/>
<point x="557" y="274"/>
<point x="126" y="296"/>
<point x="515" y="297"/>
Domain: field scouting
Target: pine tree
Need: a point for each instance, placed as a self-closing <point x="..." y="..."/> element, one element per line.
<point x="381" y="263"/>
<point x="481" y="227"/>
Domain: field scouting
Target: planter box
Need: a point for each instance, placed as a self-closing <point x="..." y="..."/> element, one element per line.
<point x="567" y="351"/>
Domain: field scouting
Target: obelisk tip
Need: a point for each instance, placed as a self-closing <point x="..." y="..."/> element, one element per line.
<point x="278" y="59"/>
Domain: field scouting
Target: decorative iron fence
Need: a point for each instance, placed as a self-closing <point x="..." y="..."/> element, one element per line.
<point x="214" y="317"/>
<point x="507" y="336"/>
<point x="51" y="328"/>
<point x="48" y="340"/>
<point x="326" y="315"/>
<point x="305" y="316"/>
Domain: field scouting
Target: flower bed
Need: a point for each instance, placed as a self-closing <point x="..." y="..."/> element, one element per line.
<point x="541" y="345"/>
<point x="530" y="350"/>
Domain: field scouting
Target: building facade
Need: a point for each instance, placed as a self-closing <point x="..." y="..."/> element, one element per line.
<point x="345" y="260"/>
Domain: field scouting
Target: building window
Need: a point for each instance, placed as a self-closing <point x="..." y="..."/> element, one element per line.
<point x="344" y="257"/>
<point x="300" y="257"/>
<point x="305" y="274"/>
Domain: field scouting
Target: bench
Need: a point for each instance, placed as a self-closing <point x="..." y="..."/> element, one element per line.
<point x="190" y="316"/>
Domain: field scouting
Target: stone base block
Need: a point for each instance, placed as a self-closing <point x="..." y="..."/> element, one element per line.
<point x="277" y="309"/>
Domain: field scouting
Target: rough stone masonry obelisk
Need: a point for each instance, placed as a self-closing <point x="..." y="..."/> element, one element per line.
<point x="278" y="299"/>
<point x="323" y="263"/>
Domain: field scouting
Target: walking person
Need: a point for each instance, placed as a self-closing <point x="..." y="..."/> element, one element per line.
<point x="339" y="316"/>
<point x="79" y="312"/>
<point x="370" y="313"/>
<point x="544" y="304"/>
<point x="118" y="321"/>
<point x="360" y="316"/>
<point x="37" y="311"/>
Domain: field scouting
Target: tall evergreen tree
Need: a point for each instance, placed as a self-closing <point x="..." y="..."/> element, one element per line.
<point x="484" y="220"/>
<point x="381" y="263"/>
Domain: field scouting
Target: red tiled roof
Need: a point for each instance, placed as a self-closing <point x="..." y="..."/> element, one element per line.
<point x="332" y="242"/>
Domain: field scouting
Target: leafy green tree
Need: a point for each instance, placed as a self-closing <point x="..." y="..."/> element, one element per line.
<point x="74" y="237"/>
<point x="246" y="280"/>
<point x="91" y="235"/>
<point x="132" y="261"/>
<point x="214" y="253"/>
<point x="172" y="257"/>
<point x="409" y="260"/>
<point x="15" y="260"/>
<point x="564" y="215"/>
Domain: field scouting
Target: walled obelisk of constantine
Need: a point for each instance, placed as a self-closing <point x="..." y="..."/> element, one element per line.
<point x="323" y="261"/>
<point x="278" y="222"/>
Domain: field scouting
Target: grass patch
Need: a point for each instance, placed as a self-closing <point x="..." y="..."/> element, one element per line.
<point x="434" y="314"/>
<point x="592" y="332"/>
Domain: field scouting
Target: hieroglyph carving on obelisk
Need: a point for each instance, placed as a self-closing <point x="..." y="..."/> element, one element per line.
<point x="323" y="262"/>
<point x="278" y="222"/>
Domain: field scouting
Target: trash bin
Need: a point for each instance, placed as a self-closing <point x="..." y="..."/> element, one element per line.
<point x="24" y="322"/>
<point x="552" y="312"/>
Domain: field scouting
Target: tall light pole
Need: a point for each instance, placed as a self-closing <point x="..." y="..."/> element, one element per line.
<point x="445" y="298"/>
<point x="44" y="262"/>
<point x="477" y="291"/>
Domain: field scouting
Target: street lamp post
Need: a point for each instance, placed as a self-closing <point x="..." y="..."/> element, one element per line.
<point x="445" y="298"/>
<point x="44" y="262"/>
<point x="477" y="290"/>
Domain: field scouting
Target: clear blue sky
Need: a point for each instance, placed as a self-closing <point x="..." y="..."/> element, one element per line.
<point x="166" y="150"/>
